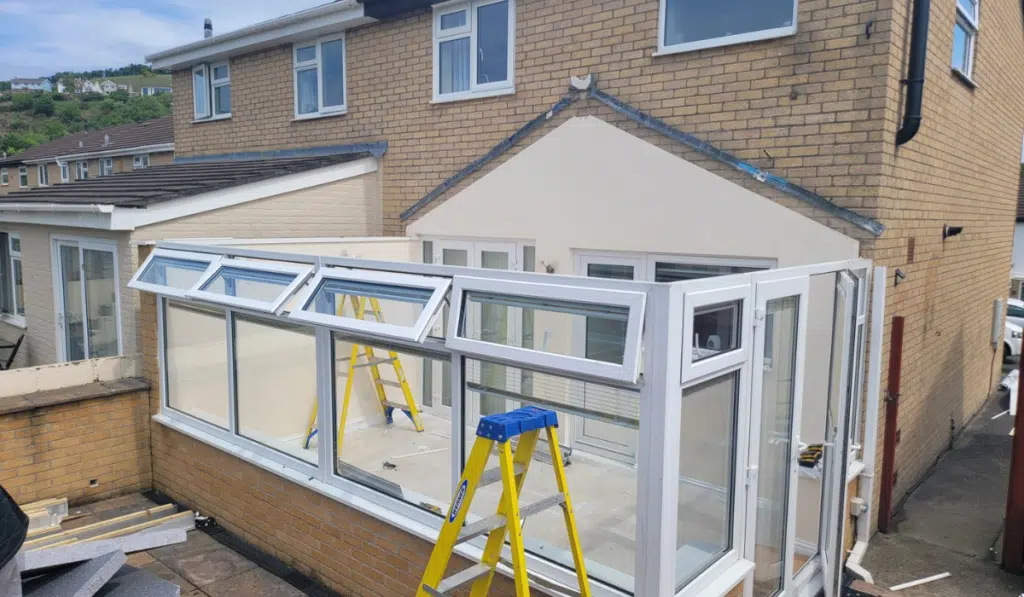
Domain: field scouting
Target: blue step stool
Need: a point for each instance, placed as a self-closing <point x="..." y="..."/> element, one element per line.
<point x="503" y="427"/>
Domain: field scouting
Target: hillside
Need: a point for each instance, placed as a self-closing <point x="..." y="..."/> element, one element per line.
<point x="30" y="119"/>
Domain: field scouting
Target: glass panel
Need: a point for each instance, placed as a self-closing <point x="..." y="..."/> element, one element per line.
<point x="453" y="65"/>
<point x="529" y="319"/>
<point x="220" y="72"/>
<point x="19" y="288"/>
<point x="248" y="284"/>
<point x="688" y="21"/>
<point x="458" y="257"/>
<point x="399" y="305"/>
<point x="495" y="320"/>
<point x="306" y="89"/>
<point x="305" y="54"/>
<point x="174" y="272"/>
<point x="275" y="381"/>
<point x="707" y="473"/>
<point x="392" y="458"/>
<point x="776" y="421"/>
<point x="74" y="318"/>
<point x="222" y="99"/>
<point x="101" y="303"/>
<point x="606" y="338"/>
<point x="969" y="6"/>
<point x="197" y="362"/>
<point x="16" y="244"/>
<point x="453" y="20"/>
<point x="716" y="329"/>
<point x="604" y="492"/>
<point x="961" y="47"/>
<point x="677" y="272"/>
<point x="333" y="66"/>
<point x="199" y="88"/>
<point x="492" y="43"/>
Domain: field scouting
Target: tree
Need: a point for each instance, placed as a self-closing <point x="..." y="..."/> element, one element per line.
<point x="69" y="83"/>
<point x="142" y="108"/>
<point x="17" y="125"/>
<point x="5" y="85"/>
<point x="69" y="113"/>
<point x="23" y="101"/>
<point x="43" y="105"/>
<point x="54" y="130"/>
<point x="119" y="96"/>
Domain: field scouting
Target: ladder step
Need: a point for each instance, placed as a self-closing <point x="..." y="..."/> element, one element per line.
<point x="389" y="383"/>
<point x="343" y="359"/>
<point x="374" y="362"/>
<point x="457" y="580"/>
<point x="493" y="475"/>
<point x="497" y="521"/>
<point x="398" y="405"/>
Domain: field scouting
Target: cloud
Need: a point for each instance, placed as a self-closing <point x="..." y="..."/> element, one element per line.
<point x="41" y="37"/>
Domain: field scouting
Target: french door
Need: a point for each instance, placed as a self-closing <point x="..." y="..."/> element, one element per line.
<point x="88" y="302"/>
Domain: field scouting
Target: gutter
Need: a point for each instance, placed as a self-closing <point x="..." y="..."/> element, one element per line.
<point x="159" y="148"/>
<point x="92" y="208"/>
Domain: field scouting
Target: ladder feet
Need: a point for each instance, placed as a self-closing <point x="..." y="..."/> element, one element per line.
<point x="388" y="414"/>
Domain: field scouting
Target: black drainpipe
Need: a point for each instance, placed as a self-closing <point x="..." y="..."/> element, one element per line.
<point x="915" y="72"/>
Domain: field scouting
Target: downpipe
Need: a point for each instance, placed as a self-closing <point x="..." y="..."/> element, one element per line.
<point x="915" y="72"/>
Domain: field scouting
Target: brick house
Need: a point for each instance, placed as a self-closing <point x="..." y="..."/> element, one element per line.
<point x="783" y="134"/>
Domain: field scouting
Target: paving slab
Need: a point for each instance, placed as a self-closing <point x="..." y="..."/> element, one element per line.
<point x="255" y="583"/>
<point x="132" y="582"/>
<point x="79" y="580"/>
<point x="80" y="552"/>
<point x="209" y="567"/>
<point x="197" y="543"/>
<point x="160" y="570"/>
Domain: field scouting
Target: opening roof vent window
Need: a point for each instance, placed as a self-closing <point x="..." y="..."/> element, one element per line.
<point x="172" y="273"/>
<point x="249" y="284"/>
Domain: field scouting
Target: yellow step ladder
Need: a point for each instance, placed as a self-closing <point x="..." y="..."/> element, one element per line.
<point x="526" y="423"/>
<point x="373" y="362"/>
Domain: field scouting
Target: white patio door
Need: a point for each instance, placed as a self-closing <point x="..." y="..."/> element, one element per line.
<point x="776" y="392"/>
<point x="87" y="299"/>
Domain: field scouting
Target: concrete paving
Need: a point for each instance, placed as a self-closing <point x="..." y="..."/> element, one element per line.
<point x="953" y="520"/>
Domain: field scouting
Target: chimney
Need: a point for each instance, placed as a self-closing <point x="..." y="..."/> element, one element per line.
<point x="80" y="144"/>
<point x="106" y="140"/>
<point x="207" y="29"/>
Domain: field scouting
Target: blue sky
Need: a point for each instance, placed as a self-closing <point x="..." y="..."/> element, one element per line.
<point x="41" y="37"/>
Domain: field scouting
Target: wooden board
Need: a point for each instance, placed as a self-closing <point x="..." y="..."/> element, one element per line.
<point x="101" y="527"/>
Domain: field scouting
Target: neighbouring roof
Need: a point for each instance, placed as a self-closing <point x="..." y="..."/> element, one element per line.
<point x="27" y="81"/>
<point x="142" y="188"/>
<point x="155" y="132"/>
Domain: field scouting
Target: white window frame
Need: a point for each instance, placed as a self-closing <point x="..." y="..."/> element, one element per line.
<point x="416" y="333"/>
<point x="83" y="243"/>
<point x="969" y="23"/>
<point x="205" y="70"/>
<point x="216" y="84"/>
<point x="715" y="295"/>
<point x="42" y="176"/>
<point x="13" y="316"/>
<point x="212" y="261"/>
<point x="22" y="177"/>
<point x="106" y="167"/>
<point x="140" y="162"/>
<point x="469" y="29"/>
<point x="728" y="40"/>
<point x="317" y="63"/>
<point x="301" y="273"/>
<point x="65" y="172"/>
<point x="635" y="302"/>
<point x="5" y="178"/>
<point x="82" y="170"/>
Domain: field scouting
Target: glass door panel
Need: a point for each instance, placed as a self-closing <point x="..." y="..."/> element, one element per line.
<point x="495" y="325"/>
<point x="437" y="396"/>
<point x="87" y="316"/>
<point x="71" y="320"/>
<point x="100" y="302"/>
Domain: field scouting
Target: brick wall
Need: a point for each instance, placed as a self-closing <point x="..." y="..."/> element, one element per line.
<point x="55" y="444"/>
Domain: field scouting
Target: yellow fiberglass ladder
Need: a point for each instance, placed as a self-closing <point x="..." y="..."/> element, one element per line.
<point x="526" y="423"/>
<point x="373" y="362"/>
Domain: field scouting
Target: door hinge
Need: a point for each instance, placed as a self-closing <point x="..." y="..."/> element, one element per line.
<point x="759" y="316"/>
<point x="751" y="476"/>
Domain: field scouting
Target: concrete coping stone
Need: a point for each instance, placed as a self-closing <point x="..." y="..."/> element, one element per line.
<point x="90" y="391"/>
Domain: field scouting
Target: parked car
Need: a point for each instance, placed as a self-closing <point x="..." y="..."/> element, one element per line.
<point x="1015" y="311"/>
<point x="1012" y="340"/>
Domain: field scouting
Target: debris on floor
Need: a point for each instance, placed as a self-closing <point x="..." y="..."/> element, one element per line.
<point x="921" y="581"/>
<point x="90" y="560"/>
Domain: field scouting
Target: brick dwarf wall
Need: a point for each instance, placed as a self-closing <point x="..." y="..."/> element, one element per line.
<point x="54" y="444"/>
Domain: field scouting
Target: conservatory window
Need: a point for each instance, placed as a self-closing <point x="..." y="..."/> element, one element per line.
<point x="258" y="285"/>
<point x="196" y="362"/>
<point x="171" y="272"/>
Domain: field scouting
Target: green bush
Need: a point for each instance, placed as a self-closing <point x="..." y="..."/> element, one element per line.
<point x="69" y="113"/>
<point x="43" y="105"/>
<point x="23" y="101"/>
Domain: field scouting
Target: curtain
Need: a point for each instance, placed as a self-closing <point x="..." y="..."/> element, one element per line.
<point x="453" y="60"/>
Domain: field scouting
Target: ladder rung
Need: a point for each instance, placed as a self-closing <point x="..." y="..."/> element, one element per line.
<point x="398" y="405"/>
<point x="457" y="580"/>
<point x="343" y="359"/>
<point x="374" y="362"/>
<point x="493" y="475"/>
<point x="389" y="383"/>
<point x="497" y="521"/>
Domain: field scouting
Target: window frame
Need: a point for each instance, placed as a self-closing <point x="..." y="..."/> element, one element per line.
<point x="103" y="164"/>
<point x="137" y="159"/>
<point x="82" y="170"/>
<point x="470" y="30"/>
<point x="65" y="172"/>
<point x="729" y="40"/>
<point x="7" y="269"/>
<point x="301" y="273"/>
<point x="179" y="293"/>
<point x="5" y="177"/>
<point x="417" y="333"/>
<point x="204" y="69"/>
<point x="42" y="176"/>
<point x="317" y="63"/>
<point x="710" y="367"/>
<point x="969" y="23"/>
<point x="633" y="301"/>
<point x="22" y="177"/>
<point x="215" y="84"/>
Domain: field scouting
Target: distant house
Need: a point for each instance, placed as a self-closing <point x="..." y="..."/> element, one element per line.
<point x="27" y="85"/>
<point x="108" y="86"/>
<point x="86" y="86"/>
<point x="155" y="90"/>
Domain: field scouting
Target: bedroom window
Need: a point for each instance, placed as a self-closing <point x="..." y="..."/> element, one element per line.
<point x="474" y="49"/>
<point x="965" y="34"/>
<point x="687" y="25"/>
<point x="319" y="73"/>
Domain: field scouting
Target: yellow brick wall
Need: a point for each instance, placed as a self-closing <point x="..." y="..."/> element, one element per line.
<point x="55" y="451"/>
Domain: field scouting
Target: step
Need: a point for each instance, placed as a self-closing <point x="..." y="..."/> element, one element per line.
<point x="457" y="580"/>
<point x="375" y="362"/>
<point x="398" y="405"/>
<point x="497" y="521"/>
<point x="388" y="383"/>
<point x="493" y="475"/>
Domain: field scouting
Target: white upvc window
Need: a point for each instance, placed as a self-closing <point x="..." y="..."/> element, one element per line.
<point x="201" y="91"/>
<point x="258" y="286"/>
<point x="4" y="177"/>
<point x="173" y="273"/>
<point x="140" y="162"/>
<point x="42" y="175"/>
<point x="82" y="170"/>
<point x="965" y="35"/>
<point x="107" y="167"/>
<point x="65" y="173"/>
<point x="320" y="77"/>
<point x="12" y="287"/>
<point x="23" y="177"/>
<point x="686" y="25"/>
<point x="220" y="89"/>
<point x="474" y="49"/>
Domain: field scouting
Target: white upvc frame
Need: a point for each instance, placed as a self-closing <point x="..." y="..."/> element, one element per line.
<point x="739" y="38"/>
<point x="23" y="177"/>
<point x="634" y="302"/>
<point x="106" y="166"/>
<point x="206" y="110"/>
<point x="211" y="261"/>
<point x="12" y="316"/>
<point x="969" y="22"/>
<point x="5" y="178"/>
<point x="416" y="333"/>
<point x="318" y="63"/>
<point x="738" y="290"/>
<point x="65" y="172"/>
<point x="82" y="243"/>
<point x="215" y="84"/>
<point x="301" y="273"/>
<point x="140" y="162"/>
<point x="42" y="176"/>
<point x="82" y="170"/>
<point x="470" y="30"/>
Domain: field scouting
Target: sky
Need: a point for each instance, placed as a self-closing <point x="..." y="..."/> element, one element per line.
<point x="41" y="37"/>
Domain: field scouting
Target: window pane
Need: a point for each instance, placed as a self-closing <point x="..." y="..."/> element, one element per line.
<point x="688" y="21"/>
<point x="306" y="83"/>
<point x="173" y="272"/>
<point x="249" y="284"/>
<point x="16" y="244"/>
<point x="275" y="380"/>
<point x="101" y="303"/>
<point x="392" y="458"/>
<point x="199" y="88"/>
<point x="603" y="486"/>
<point x="399" y="305"/>
<point x="707" y="462"/>
<point x="222" y="99"/>
<point x="776" y="421"/>
<point x="453" y="62"/>
<point x="220" y="72"/>
<point x="716" y="329"/>
<point x="19" y="288"/>
<point x="677" y="272"/>
<point x="453" y="20"/>
<point x="197" y="362"/>
<point x="969" y="6"/>
<point x="961" y="48"/>
<point x="606" y="339"/>
<point x="71" y="290"/>
<point x="333" y="65"/>
<point x="305" y="54"/>
<point x="492" y="43"/>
